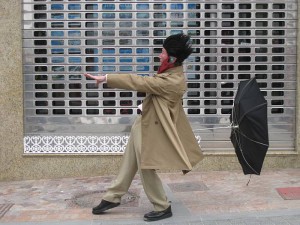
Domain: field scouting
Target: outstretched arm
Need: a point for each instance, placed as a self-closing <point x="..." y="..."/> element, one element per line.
<point x="157" y="85"/>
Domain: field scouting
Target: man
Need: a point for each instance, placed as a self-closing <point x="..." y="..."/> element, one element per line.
<point x="161" y="138"/>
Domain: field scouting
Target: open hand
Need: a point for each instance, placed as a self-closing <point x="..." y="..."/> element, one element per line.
<point x="98" y="79"/>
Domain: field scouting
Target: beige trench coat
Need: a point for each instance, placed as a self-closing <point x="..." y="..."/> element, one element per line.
<point x="168" y="141"/>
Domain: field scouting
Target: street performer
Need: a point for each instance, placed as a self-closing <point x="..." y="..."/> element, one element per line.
<point x="161" y="137"/>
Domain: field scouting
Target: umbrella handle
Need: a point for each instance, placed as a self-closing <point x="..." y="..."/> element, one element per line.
<point x="234" y="126"/>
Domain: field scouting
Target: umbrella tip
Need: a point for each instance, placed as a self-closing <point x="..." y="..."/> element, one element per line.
<point x="249" y="180"/>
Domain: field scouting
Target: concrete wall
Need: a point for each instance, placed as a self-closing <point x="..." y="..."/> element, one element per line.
<point x="15" y="166"/>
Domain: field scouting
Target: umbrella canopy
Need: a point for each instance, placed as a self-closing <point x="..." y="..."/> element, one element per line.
<point x="249" y="133"/>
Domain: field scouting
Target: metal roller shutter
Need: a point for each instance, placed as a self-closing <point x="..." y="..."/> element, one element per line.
<point x="233" y="41"/>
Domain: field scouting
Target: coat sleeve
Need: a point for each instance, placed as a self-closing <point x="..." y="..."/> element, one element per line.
<point x="157" y="85"/>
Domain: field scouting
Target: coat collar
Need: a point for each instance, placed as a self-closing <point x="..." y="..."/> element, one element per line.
<point x="177" y="69"/>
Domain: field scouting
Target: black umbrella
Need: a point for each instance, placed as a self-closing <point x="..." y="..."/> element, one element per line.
<point x="249" y="133"/>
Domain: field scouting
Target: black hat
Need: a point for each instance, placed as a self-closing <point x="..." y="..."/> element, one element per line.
<point x="179" y="46"/>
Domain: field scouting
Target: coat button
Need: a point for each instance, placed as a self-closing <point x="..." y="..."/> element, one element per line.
<point x="156" y="122"/>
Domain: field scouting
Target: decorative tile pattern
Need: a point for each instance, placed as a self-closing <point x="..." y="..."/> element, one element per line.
<point x="76" y="144"/>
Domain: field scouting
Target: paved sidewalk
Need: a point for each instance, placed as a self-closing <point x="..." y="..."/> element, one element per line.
<point x="202" y="198"/>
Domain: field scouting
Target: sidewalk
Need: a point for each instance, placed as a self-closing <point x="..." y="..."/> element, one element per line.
<point x="202" y="198"/>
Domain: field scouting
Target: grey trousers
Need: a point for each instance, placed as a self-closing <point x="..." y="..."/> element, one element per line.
<point x="130" y="165"/>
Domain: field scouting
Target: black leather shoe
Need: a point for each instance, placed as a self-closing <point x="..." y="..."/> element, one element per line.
<point x="103" y="206"/>
<point x="154" y="215"/>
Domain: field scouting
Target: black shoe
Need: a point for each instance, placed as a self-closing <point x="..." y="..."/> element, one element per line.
<point x="103" y="206"/>
<point x="154" y="216"/>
